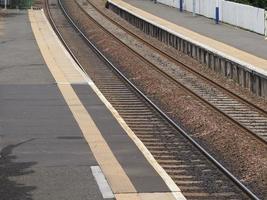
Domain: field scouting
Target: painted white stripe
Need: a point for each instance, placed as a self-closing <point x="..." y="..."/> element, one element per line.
<point x="177" y="194"/>
<point x="150" y="158"/>
<point x="102" y="182"/>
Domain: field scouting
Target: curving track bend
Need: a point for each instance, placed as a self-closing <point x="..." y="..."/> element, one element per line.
<point x="193" y="169"/>
<point x="237" y="109"/>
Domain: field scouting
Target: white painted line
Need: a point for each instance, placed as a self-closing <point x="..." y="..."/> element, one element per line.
<point x="62" y="83"/>
<point x="65" y="52"/>
<point x="102" y="182"/>
<point x="174" y="189"/>
<point x="177" y="194"/>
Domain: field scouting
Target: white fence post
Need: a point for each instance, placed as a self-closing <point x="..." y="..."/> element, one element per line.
<point x="194" y="8"/>
<point x="265" y="23"/>
<point x="241" y="15"/>
<point x="217" y="12"/>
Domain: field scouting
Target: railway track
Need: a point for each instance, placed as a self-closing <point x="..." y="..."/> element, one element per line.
<point x="238" y="110"/>
<point x="183" y="158"/>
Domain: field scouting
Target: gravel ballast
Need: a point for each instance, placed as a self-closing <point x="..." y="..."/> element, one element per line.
<point x="240" y="152"/>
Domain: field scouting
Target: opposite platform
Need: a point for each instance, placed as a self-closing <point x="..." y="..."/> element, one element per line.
<point x="243" y="60"/>
<point x="51" y="112"/>
<point x="244" y="40"/>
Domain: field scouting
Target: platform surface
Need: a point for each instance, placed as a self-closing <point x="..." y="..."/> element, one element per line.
<point x="43" y="153"/>
<point x="54" y="127"/>
<point x="242" y="45"/>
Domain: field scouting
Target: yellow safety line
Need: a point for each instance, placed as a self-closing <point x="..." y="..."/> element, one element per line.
<point x="147" y="196"/>
<point x="116" y="176"/>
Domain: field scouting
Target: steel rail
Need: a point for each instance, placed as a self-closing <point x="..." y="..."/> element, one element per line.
<point x="172" y="58"/>
<point x="186" y="67"/>
<point x="176" y="126"/>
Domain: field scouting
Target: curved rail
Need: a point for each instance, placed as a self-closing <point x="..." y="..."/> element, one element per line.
<point x="177" y="127"/>
<point x="172" y="58"/>
<point x="199" y="75"/>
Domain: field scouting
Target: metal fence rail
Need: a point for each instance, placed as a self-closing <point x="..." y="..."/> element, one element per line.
<point x="244" y="16"/>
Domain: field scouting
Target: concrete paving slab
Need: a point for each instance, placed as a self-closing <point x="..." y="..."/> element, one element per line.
<point x="43" y="154"/>
<point x="56" y="152"/>
<point x="21" y="61"/>
<point x="26" y="182"/>
<point x="143" y="176"/>
<point x="38" y="137"/>
<point x="35" y="111"/>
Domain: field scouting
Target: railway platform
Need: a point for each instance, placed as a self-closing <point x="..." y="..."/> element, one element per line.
<point x="241" y="39"/>
<point x="233" y="52"/>
<point x="59" y="137"/>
